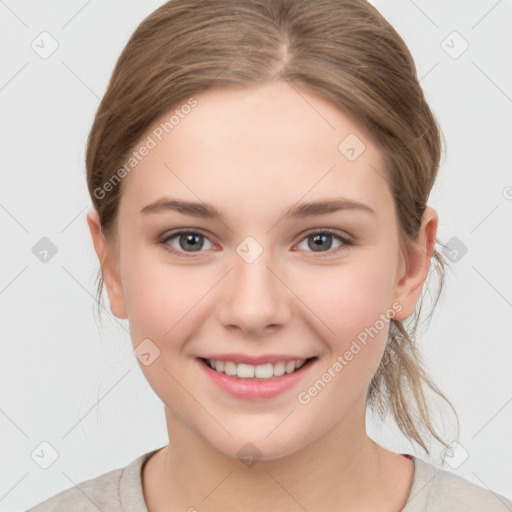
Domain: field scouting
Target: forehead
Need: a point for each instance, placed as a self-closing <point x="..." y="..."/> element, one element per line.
<point x="253" y="149"/>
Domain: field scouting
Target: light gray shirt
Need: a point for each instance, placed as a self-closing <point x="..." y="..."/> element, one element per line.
<point x="120" y="490"/>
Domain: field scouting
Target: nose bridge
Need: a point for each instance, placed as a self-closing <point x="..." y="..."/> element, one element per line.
<point x="254" y="297"/>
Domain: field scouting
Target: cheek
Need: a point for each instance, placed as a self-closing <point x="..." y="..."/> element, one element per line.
<point x="161" y="298"/>
<point x="163" y="303"/>
<point x="350" y="300"/>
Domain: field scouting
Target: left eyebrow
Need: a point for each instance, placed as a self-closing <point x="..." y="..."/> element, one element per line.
<point x="325" y="207"/>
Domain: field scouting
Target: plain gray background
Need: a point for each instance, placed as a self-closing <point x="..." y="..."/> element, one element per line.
<point x="67" y="382"/>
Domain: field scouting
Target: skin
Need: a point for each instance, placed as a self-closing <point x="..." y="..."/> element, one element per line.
<point x="252" y="153"/>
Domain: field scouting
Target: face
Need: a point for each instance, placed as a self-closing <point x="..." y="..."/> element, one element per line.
<point x="221" y="254"/>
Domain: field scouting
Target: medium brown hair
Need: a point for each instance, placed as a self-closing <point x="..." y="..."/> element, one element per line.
<point x="341" y="50"/>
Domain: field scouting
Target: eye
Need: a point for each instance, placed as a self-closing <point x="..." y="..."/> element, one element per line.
<point x="321" y="241"/>
<point x="185" y="241"/>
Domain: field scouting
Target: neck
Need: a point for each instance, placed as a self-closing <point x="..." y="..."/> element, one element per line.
<point x="342" y="470"/>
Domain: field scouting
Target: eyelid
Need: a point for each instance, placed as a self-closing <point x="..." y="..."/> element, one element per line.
<point x="344" y="237"/>
<point x="184" y="231"/>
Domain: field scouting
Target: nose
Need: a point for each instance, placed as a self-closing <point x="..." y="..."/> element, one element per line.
<point x="254" y="297"/>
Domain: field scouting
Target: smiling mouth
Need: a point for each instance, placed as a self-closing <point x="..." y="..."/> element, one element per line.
<point x="262" y="372"/>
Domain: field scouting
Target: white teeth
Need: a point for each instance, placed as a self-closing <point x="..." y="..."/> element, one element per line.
<point x="290" y="366"/>
<point x="229" y="368"/>
<point x="244" y="371"/>
<point x="262" y="371"/>
<point x="279" y="369"/>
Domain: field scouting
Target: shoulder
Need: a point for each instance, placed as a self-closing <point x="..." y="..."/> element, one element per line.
<point x="97" y="493"/>
<point x="435" y="489"/>
<point x="115" y="491"/>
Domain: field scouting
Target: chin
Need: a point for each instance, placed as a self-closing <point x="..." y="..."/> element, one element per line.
<point x="250" y="452"/>
<point x="254" y="443"/>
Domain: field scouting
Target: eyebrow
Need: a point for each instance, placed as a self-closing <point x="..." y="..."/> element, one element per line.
<point x="301" y="210"/>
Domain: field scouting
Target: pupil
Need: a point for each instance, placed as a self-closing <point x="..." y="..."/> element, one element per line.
<point x="319" y="239"/>
<point x="193" y="240"/>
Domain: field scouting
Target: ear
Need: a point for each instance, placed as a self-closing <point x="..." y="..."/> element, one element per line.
<point x="109" y="265"/>
<point x="413" y="272"/>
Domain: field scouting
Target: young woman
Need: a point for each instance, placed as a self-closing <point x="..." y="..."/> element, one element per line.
<point x="260" y="172"/>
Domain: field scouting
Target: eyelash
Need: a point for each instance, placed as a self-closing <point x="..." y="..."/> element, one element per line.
<point x="345" y="242"/>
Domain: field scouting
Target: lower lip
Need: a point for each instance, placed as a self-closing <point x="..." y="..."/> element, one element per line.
<point x="250" y="389"/>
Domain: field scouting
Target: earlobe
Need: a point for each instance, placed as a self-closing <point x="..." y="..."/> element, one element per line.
<point x="108" y="264"/>
<point x="414" y="271"/>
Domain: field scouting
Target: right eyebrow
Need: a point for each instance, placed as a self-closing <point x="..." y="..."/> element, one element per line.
<point x="202" y="210"/>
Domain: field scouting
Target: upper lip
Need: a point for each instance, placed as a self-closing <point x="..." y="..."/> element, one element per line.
<point x="255" y="360"/>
